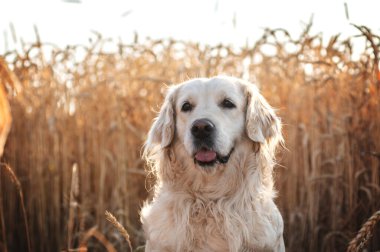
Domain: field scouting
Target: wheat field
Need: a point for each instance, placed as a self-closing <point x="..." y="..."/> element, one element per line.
<point x="80" y="115"/>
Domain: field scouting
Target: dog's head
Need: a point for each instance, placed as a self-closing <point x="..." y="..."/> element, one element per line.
<point x="209" y="117"/>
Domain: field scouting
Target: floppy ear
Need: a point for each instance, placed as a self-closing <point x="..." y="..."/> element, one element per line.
<point x="162" y="131"/>
<point x="262" y="124"/>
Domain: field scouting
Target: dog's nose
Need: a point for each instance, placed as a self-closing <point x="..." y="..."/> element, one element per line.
<point x="202" y="128"/>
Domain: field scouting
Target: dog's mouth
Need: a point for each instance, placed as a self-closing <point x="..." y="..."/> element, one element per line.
<point x="209" y="157"/>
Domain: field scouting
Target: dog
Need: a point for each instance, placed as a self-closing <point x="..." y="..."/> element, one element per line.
<point x="212" y="150"/>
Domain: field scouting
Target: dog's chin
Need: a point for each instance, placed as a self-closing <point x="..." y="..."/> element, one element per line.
<point x="207" y="158"/>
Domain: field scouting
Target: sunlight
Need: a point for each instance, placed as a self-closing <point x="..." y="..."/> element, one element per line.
<point x="220" y="21"/>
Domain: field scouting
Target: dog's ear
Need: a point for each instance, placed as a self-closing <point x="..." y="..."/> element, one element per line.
<point x="262" y="123"/>
<point x="162" y="131"/>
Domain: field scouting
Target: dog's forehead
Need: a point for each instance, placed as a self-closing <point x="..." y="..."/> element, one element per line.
<point x="210" y="88"/>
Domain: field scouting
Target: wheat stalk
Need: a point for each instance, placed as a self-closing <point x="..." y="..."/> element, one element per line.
<point x="364" y="234"/>
<point x="73" y="202"/>
<point x="93" y="232"/>
<point x="119" y="227"/>
<point x="17" y="183"/>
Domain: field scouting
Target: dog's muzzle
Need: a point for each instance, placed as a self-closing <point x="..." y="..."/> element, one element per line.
<point x="203" y="132"/>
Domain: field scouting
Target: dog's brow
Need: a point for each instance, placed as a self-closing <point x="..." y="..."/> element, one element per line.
<point x="231" y="96"/>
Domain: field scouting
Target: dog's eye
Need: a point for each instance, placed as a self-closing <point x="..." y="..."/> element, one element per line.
<point x="186" y="106"/>
<point x="226" y="103"/>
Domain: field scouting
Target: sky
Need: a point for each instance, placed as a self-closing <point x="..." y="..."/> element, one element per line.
<point x="235" y="22"/>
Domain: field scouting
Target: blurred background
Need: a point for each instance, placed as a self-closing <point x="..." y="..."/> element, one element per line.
<point x="81" y="81"/>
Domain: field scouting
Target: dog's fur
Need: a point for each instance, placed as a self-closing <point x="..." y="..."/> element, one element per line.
<point x="222" y="206"/>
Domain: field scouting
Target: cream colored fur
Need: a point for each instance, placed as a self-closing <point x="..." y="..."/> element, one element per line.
<point x="228" y="207"/>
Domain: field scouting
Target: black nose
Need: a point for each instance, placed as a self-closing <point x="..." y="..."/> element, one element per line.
<point x="202" y="128"/>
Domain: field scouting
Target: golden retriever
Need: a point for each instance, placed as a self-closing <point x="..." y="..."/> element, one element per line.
<point x="212" y="149"/>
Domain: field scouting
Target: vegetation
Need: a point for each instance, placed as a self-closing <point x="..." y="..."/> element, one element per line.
<point x="80" y="117"/>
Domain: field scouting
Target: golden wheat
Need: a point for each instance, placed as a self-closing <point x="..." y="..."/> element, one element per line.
<point x="84" y="106"/>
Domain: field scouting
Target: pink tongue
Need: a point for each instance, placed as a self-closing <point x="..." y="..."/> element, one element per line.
<point x="205" y="155"/>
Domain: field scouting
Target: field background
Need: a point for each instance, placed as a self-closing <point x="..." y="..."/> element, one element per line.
<point x="81" y="114"/>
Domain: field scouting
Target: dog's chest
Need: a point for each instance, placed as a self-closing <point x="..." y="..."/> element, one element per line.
<point x="177" y="223"/>
<point x="207" y="226"/>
